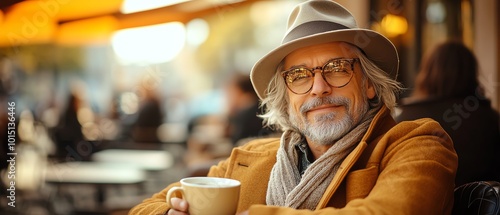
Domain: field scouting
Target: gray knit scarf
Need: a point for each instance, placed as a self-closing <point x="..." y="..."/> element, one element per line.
<point x="287" y="188"/>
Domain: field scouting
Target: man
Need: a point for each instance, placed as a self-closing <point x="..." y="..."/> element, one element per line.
<point x="330" y="87"/>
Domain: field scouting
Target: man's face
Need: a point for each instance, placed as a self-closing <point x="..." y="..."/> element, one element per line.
<point x="325" y="113"/>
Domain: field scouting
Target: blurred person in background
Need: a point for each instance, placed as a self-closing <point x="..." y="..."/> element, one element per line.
<point x="341" y="152"/>
<point x="447" y="90"/>
<point x="68" y="132"/>
<point x="243" y="110"/>
<point x="150" y="116"/>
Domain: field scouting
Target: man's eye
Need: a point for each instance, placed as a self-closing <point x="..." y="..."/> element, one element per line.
<point x="336" y="67"/>
<point x="335" y="70"/>
<point x="297" y="75"/>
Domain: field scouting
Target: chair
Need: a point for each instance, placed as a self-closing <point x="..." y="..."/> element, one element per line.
<point x="478" y="198"/>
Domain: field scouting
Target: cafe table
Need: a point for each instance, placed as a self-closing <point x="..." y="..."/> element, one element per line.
<point x="149" y="160"/>
<point x="97" y="174"/>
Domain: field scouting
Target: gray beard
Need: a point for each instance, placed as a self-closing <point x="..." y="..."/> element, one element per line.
<point x="323" y="129"/>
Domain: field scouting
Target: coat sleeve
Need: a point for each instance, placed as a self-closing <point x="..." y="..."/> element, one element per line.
<point x="415" y="166"/>
<point x="157" y="204"/>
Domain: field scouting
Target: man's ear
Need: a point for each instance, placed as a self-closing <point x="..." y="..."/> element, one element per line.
<point x="370" y="90"/>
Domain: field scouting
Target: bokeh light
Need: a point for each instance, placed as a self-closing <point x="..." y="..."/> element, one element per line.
<point x="394" y="25"/>
<point x="129" y="103"/>
<point x="132" y="6"/>
<point x="197" y="31"/>
<point x="435" y="12"/>
<point x="150" y="44"/>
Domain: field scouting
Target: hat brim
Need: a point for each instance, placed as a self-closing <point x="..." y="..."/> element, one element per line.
<point x="375" y="46"/>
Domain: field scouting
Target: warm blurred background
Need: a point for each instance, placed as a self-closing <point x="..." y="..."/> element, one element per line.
<point x="115" y="99"/>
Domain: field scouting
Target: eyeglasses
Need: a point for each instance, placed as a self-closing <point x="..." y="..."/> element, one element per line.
<point x="336" y="72"/>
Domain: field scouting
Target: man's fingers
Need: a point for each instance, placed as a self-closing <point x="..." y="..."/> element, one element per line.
<point x="174" y="212"/>
<point x="179" y="205"/>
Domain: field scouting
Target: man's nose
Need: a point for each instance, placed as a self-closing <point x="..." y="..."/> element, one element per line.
<point x="320" y="86"/>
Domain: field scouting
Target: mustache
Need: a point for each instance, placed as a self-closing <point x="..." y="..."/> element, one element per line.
<point x="316" y="102"/>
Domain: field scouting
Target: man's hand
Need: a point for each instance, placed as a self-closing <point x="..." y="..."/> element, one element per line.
<point x="179" y="207"/>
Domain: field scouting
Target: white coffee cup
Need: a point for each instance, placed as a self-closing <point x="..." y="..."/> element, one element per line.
<point x="208" y="195"/>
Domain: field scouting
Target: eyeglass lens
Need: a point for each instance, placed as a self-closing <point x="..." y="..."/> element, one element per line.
<point x="336" y="72"/>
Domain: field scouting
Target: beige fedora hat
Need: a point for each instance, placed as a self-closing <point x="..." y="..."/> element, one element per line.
<point x="323" y="21"/>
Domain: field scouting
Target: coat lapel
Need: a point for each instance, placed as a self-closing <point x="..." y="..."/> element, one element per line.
<point x="341" y="173"/>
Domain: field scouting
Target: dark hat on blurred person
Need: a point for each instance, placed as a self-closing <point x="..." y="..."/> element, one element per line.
<point x="323" y="21"/>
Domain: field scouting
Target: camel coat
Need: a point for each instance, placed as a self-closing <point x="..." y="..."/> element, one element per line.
<point x="405" y="168"/>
